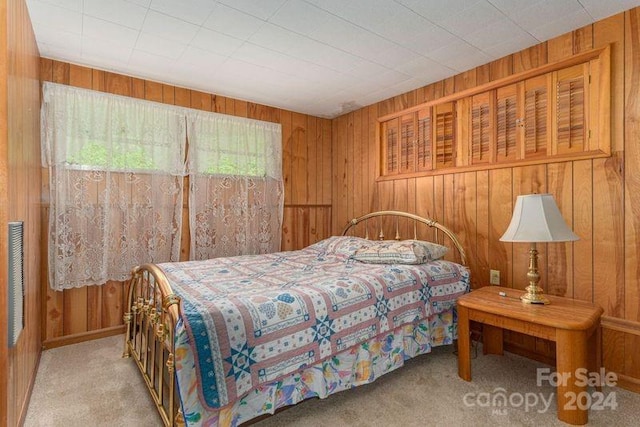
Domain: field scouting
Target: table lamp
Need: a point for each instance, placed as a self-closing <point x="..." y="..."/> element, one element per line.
<point x="536" y="218"/>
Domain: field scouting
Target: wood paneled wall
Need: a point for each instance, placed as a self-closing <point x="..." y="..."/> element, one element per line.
<point x="599" y="198"/>
<point x="19" y="200"/>
<point x="93" y="311"/>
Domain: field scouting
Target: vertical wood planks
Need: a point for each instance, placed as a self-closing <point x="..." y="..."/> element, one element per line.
<point x="482" y="230"/>
<point x="632" y="165"/>
<point x="560" y="255"/>
<point x="608" y="218"/>
<point x="20" y="198"/>
<point x="632" y="189"/>
<point x="500" y="211"/>
<point x="583" y="226"/>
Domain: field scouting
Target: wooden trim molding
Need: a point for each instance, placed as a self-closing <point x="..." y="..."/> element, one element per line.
<point x="621" y="325"/>
<point x="83" y="336"/>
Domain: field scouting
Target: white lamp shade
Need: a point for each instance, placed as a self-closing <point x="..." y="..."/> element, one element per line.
<point x="536" y="218"/>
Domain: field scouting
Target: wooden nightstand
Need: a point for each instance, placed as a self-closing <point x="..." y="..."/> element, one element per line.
<point x="573" y="325"/>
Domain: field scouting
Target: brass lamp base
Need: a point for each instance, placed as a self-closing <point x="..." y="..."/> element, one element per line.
<point x="534" y="297"/>
<point x="534" y="292"/>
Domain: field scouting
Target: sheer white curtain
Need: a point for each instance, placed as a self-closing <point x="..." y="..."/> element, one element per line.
<point x="236" y="191"/>
<point x="116" y="168"/>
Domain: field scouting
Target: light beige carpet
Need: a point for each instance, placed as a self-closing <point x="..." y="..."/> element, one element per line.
<point x="88" y="384"/>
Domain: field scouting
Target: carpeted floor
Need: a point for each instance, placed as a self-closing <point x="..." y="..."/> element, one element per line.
<point x="88" y="384"/>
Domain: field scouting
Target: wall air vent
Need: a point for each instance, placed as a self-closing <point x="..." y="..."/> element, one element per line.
<point x="16" y="281"/>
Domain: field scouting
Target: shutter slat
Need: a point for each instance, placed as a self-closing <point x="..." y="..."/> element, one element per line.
<point x="407" y="144"/>
<point x="444" y="139"/>
<point x="506" y="115"/>
<point x="535" y="133"/>
<point x="480" y="132"/>
<point x="570" y="115"/>
<point x="424" y="142"/>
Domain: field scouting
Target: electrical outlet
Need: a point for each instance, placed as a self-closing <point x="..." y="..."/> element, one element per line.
<point x="494" y="277"/>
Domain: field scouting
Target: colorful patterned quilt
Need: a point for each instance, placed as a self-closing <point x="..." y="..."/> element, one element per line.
<point x="254" y="319"/>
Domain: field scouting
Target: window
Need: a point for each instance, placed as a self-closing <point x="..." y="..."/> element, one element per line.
<point x="116" y="168"/>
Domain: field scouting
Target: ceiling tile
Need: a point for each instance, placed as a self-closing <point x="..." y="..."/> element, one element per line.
<point x="193" y="56"/>
<point x="57" y="37"/>
<point x="144" y="3"/>
<point x="55" y="17"/>
<point x="75" y="5"/>
<point x="108" y="50"/>
<point x="324" y="55"/>
<point x="159" y="46"/>
<point x="436" y="11"/>
<point x="278" y="38"/>
<point x="543" y="12"/>
<point x="299" y="16"/>
<point x="365" y="69"/>
<point x="232" y="22"/>
<point x="193" y="11"/>
<point x="475" y="17"/>
<point x="509" y="7"/>
<point x="105" y="30"/>
<point x="335" y="30"/>
<point x="262" y="9"/>
<point x="118" y="11"/>
<point x="554" y="28"/>
<point x="168" y="27"/>
<point x="518" y="41"/>
<point x="402" y="26"/>
<point x="215" y="42"/>
<point x="71" y="53"/>
<point x="499" y="32"/>
<point x="150" y="63"/>
<point x="424" y="68"/>
<point x="432" y="38"/>
<point x="459" y="56"/>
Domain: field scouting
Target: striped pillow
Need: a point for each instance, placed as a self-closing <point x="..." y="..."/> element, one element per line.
<point x="400" y="252"/>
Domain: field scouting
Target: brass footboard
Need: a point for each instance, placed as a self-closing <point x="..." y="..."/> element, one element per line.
<point x="151" y="315"/>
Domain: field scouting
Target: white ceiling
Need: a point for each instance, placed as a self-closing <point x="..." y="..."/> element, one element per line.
<point x="320" y="57"/>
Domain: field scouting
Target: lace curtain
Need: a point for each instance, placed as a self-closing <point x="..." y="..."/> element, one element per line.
<point x="236" y="191"/>
<point x="116" y="168"/>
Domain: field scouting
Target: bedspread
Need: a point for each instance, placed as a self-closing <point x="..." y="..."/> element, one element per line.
<point x="253" y="319"/>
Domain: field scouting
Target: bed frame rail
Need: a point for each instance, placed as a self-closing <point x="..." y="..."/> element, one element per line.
<point x="151" y="315"/>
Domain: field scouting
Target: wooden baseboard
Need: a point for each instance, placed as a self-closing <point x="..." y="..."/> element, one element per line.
<point x="629" y="383"/>
<point x="85" y="336"/>
<point x="25" y="404"/>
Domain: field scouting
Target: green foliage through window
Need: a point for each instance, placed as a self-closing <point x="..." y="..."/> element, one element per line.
<point x="95" y="154"/>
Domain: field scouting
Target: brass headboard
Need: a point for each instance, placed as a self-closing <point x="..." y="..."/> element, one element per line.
<point x="417" y="219"/>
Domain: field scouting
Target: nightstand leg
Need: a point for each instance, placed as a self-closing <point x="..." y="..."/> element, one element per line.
<point x="464" y="342"/>
<point x="571" y="354"/>
<point x="492" y="340"/>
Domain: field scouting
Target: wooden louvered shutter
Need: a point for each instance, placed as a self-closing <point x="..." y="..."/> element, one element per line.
<point x="444" y="135"/>
<point x="536" y="117"/>
<point x="482" y="138"/>
<point x="407" y="143"/>
<point x="424" y="160"/>
<point x="507" y="123"/>
<point x="570" y="130"/>
<point x="391" y="143"/>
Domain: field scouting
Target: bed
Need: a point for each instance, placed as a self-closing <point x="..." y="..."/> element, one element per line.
<point x="227" y="340"/>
